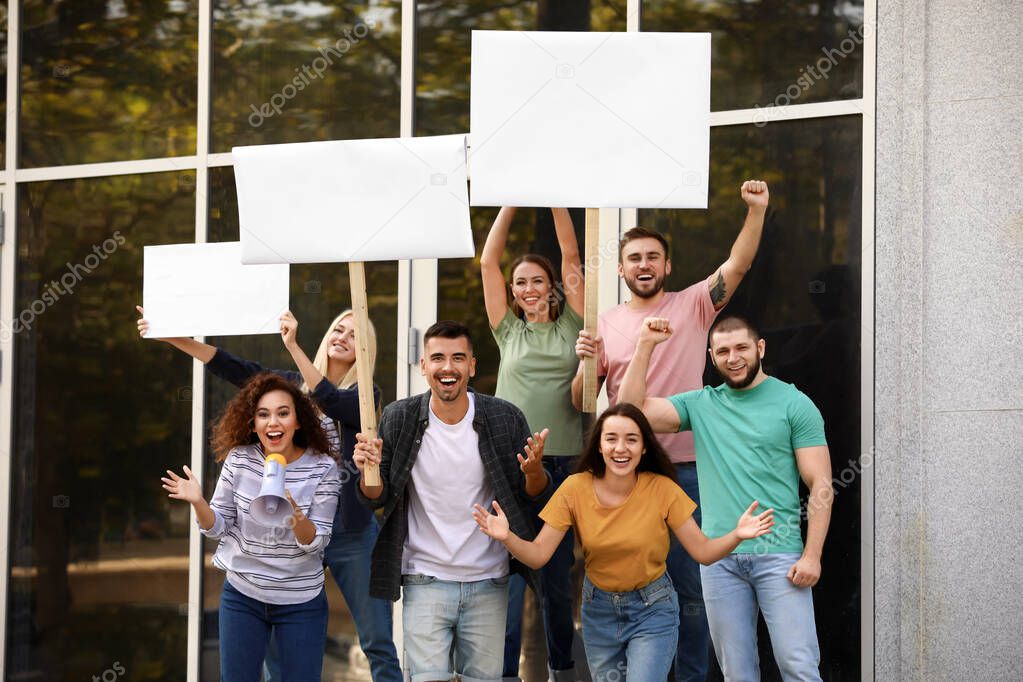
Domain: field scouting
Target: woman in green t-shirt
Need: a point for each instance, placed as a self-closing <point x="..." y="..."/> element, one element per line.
<point x="536" y="337"/>
<point x="622" y="503"/>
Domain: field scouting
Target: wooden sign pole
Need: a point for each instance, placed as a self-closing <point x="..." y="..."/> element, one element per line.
<point x="364" y="375"/>
<point x="591" y="266"/>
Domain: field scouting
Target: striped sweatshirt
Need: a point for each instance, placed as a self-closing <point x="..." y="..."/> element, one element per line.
<point x="269" y="564"/>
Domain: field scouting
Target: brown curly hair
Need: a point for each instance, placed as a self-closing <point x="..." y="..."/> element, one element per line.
<point x="234" y="428"/>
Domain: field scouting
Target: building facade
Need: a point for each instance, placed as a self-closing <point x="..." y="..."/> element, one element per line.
<point x="887" y="132"/>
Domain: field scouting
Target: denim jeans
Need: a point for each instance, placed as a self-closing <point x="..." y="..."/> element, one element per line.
<point x="556" y="607"/>
<point x="300" y="631"/>
<point x="693" y="633"/>
<point x="630" y="634"/>
<point x="453" y="628"/>
<point x="733" y="589"/>
<point x="348" y="558"/>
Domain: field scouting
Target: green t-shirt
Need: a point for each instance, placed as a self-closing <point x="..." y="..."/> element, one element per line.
<point x="538" y="363"/>
<point x="745" y="451"/>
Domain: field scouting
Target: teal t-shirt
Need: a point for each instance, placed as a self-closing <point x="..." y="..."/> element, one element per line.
<point x="745" y="451"/>
<point x="538" y="363"/>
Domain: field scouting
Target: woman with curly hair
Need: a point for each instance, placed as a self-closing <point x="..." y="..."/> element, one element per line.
<point x="330" y="380"/>
<point x="274" y="575"/>
<point x="622" y="502"/>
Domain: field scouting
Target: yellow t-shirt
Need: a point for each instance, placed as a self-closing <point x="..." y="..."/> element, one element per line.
<point x="625" y="547"/>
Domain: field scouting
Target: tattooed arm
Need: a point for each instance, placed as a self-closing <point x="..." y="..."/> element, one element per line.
<point x="723" y="283"/>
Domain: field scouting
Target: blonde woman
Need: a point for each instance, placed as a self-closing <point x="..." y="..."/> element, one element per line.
<point x="330" y="380"/>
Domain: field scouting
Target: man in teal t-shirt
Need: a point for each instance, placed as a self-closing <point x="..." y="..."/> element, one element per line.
<point x="755" y="437"/>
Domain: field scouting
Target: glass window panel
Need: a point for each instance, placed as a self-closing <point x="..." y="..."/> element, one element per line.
<point x="804" y="291"/>
<point x="107" y="81"/>
<point x="98" y="553"/>
<point x="443" y="39"/>
<point x="772" y="52"/>
<point x="297" y="72"/>
<point x="318" y="293"/>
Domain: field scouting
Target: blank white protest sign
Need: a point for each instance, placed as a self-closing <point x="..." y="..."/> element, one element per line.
<point x="204" y="290"/>
<point x="590" y="119"/>
<point x="354" y="200"/>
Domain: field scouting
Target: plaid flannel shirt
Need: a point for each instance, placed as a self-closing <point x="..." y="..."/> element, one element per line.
<point x="502" y="430"/>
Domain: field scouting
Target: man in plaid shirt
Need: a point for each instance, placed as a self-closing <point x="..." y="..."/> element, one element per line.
<point x="439" y="454"/>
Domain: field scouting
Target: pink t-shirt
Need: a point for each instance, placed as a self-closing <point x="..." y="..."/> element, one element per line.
<point x="676" y="365"/>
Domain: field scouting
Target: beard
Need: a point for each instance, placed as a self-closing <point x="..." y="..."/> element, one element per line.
<point x="752" y="370"/>
<point x="449" y="394"/>
<point x="658" y="285"/>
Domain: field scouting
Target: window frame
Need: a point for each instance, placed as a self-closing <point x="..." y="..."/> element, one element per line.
<point x="417" y="291"/>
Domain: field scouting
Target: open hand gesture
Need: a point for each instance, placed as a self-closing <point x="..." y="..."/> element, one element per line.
<point x="493" y="526"/>
<point x="532" y="463"/>
<point x="750" y="526"/>
<point x="755" y="194"/>
<point x="187" y="489"/>
<point x="367" y="451"/>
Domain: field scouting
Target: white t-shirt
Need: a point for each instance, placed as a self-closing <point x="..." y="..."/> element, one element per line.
<point x="447" y="479"/>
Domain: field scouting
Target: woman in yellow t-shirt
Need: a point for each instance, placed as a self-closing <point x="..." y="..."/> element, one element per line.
<point x="621" y="503"/>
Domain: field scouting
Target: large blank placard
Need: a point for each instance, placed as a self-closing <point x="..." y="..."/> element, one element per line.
<point x="204" y="290"/>
<point x="358" y="200"/>
<point x="590" y="119"/>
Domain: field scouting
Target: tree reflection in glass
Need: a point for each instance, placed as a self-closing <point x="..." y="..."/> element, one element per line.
<point x="99" y="557"/>
<point x="302" y="71"/>
<point x="107" y="81"/>
<point x="765" y="53"/>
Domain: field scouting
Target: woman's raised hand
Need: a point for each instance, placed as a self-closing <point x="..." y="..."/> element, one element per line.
<point x="496" y="526"/>
<point x="143" y="322"/>
<point x="187" y="489"/>
<point x="289" y="329"/>
<point x="750" y="526"/>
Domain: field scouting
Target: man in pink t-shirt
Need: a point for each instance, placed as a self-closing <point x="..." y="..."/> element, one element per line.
<point x="676" y="366"/>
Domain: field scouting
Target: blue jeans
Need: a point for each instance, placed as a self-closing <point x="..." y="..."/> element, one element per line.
<point x="693" y="633"/>
<point x="556" y="607"/>
<point x="630" y="634"/>
<point x="734" y="588"/>
<point x="300" y="631"/>
<point x="453" y="628"/>
<point x="348" y="558"/>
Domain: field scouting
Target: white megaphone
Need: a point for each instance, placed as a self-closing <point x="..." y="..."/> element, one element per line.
<point x="271" y="507"/>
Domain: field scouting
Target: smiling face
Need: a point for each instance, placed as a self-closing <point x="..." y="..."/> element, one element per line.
<point x="276" y="422"/>
<point x="341" y="341"/>
<point x="736" y="356"/>
<point x="621" y="445"/>
<point x="448" y="364"/>
<point x="531" y="289"/>
<point x="644" y="266"/>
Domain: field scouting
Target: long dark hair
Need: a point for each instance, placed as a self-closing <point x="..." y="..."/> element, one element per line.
<point x="234" y="428"/>
<point x="654" y="459"/>
<point x="555" y="296"/>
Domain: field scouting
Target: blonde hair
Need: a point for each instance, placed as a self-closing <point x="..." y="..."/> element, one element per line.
<point x="320" y="362"/>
